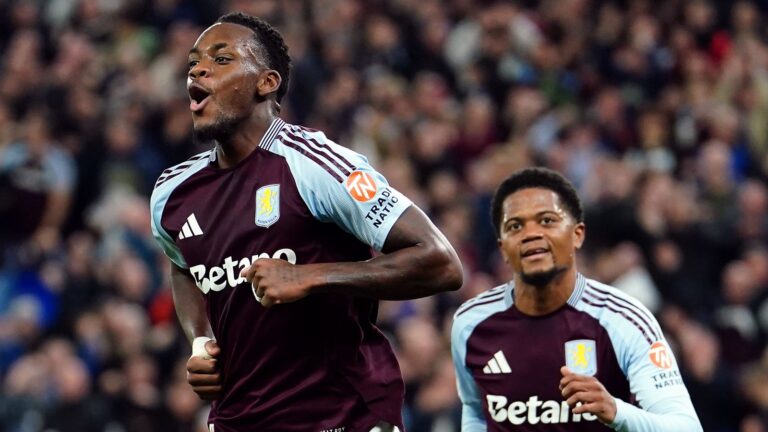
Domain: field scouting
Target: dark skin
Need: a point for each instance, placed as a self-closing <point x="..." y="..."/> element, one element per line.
<point x="539" y="235"/>
<point x="418" y="260"/>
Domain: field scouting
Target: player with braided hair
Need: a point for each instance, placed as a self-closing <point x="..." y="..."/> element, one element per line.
<point x="270" y="235"/>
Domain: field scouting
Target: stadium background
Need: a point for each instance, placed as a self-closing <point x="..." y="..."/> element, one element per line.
<point x="655" y="110"/>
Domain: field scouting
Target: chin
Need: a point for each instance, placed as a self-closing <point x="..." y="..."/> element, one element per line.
<point x="219" y="129"/>
<point x="540" y="278"/>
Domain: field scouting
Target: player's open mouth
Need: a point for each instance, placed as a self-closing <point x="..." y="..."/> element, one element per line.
<point x="534" y="253"/>
<point x="198" y="97"/>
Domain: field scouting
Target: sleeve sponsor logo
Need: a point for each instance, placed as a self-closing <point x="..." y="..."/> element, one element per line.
<point x="382" y="208"/>
<point x="361" y="186"/>
<point x="659" y="355"/>
<point x="666" y="379"/>
<point x="580" y="356"/>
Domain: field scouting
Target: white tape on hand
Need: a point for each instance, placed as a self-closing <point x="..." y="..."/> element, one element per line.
<point x="198" y="347"/>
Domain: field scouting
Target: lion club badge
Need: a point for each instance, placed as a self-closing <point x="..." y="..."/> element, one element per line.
<point x="581" y="356"/>
<point x="267" y="205"/>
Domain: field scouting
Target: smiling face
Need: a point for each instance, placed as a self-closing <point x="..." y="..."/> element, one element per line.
<point x="227" y="76"/>
<point x="538" y="236"/>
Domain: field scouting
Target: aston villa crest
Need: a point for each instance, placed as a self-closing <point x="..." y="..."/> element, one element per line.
<point x="267" y="205"/>
<point x="581" y="356"/>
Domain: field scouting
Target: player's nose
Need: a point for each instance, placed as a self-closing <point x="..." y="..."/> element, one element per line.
<point x="531" y="234"/>
<point x="199" y="71"/>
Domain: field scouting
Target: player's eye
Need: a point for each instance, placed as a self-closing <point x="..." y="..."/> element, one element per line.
<point x="546" y="220"/>
<point x="514" y="226"/>
<point x="193" y="63"/>
<point x="222" y="60"/>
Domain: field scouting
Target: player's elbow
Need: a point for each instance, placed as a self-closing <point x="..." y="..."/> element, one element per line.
<point x="447" y="271"/>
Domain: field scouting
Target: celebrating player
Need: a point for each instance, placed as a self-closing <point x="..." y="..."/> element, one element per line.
<point x="270" y="236"/>
<point x="552" y="350"/>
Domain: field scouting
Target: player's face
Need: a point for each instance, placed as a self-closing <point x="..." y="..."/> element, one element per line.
<point x="223" y="79"/>
<point x="538" y="236"/>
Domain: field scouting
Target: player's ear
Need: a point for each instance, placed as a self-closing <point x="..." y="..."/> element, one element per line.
<point x="579" y="233"/>
<point x="268" y="82"/>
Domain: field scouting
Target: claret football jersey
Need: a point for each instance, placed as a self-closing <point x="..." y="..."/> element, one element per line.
<point x="508" y="363"/>
<point x="318" y="364"/>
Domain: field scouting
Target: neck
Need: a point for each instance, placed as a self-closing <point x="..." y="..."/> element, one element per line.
<point x="243" y="141"/>
<point x="541" y="300"/>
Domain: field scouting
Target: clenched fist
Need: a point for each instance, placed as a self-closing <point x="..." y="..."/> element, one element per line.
<point x="276" y="281"/>
<point x="203" y="373"/>
<point x="585" y="394"/>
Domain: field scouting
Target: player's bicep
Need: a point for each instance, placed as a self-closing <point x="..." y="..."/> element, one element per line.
<point x="181" y="276"/>
<point x="189" y="302"/>
<point x="412" y="228"/>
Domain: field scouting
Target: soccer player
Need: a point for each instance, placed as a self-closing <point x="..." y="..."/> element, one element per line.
<point x="270" y="234"/>
<point x="552" y="350"/>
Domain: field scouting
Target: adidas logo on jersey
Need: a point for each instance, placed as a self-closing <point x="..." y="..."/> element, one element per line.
<point x="533" y="411"/>
<point x="497" y="364"/>
<point x="228" y="274"/>
<point x="190" y="228"/>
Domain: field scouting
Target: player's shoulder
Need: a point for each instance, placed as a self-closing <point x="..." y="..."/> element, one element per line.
<point x="604" y="292"/>
<point x="179" y="169"/>
<point x="311" y="151"/>
<point x="482" y="306"/>
<point x="172" y="177"/>
<point x="619" y="311"/>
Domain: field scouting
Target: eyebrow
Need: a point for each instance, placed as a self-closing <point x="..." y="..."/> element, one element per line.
<point x="214" y="47"/>
<point x="539" y="214"/>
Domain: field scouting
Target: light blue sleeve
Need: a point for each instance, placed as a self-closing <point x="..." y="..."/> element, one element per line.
<point x="62" y="168"/>
<point x="156" y="206"/>
<point x="339" y="186"/>
<point x="652" y="371"/>
<point x="472" y="419"/>
<point x="655" y="380"/>
<point x="157" y="202"/>
<point x="11" y="156"/>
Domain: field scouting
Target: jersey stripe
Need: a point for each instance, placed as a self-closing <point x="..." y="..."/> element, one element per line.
<point x="296" y="138"/>
<point x="624" y="304"/>
<point x="493" y="292"/>
<point x="620" y="312"/>
<point x="287" y="142"/>
<point x="185" y="164"/>
<point x="269" y="136"/>
<point x="343" y="160"/>
<point x="490" y="300"/>
<point x="180" y="168"/>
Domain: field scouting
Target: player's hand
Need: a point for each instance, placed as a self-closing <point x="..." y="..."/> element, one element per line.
<point x="203" y="374"/>
<point x="585" y="394"/>
<point x="277" y="281"/>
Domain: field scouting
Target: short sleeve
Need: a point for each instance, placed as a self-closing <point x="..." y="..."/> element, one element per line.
<point x="339" y="186"/>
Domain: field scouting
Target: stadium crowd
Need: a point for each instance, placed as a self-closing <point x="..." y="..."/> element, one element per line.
<point x="656" y="110"/>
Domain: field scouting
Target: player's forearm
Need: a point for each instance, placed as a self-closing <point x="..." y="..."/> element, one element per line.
<point x="678" y="417"/>
<point x="190" y="305"/>
<point x="412" y="272"/>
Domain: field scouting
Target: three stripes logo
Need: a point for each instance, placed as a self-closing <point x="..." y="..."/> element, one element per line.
<point x="190" y="228"/>
<point x="497" y="364"/>
<point x="361" y="186"/>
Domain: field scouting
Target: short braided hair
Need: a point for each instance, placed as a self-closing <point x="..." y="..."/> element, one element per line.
<point x="273" y="43"/>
